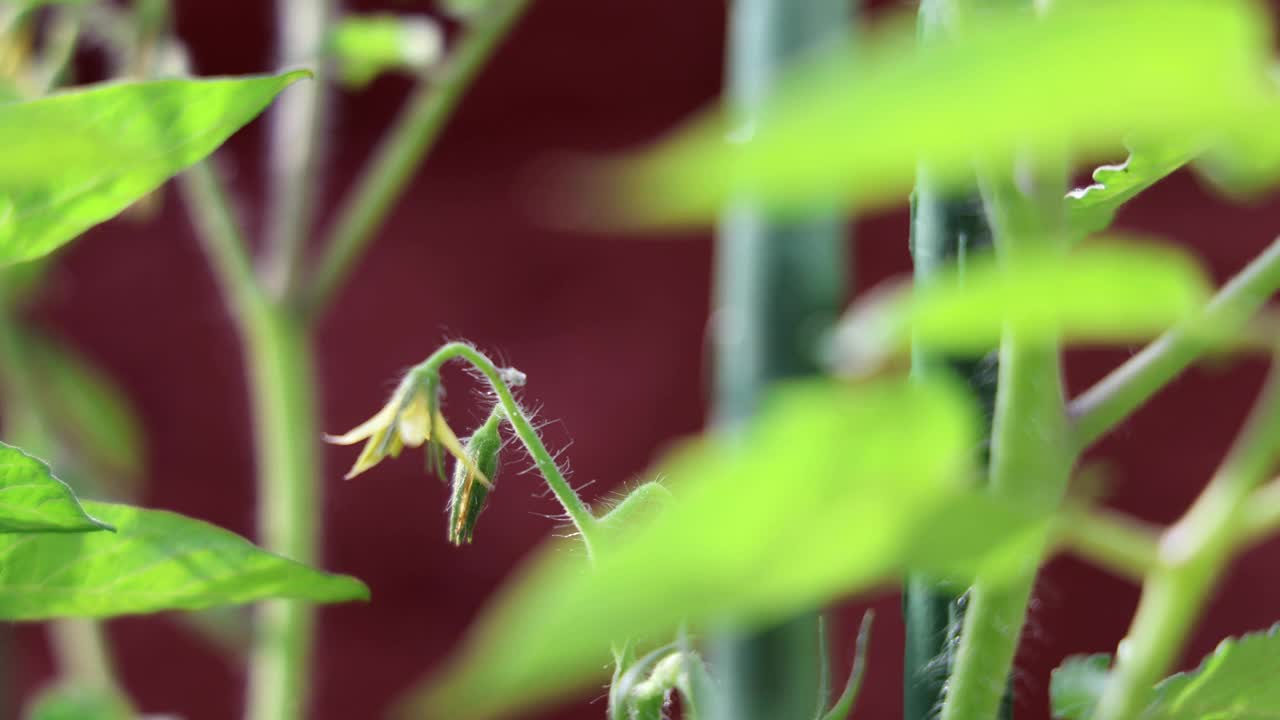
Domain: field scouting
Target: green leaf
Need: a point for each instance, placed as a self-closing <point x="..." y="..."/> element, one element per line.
<point x="78" y="702"/>
<point x="155" y="561"/>
<point x="835" y="489"/>
<point x="1092" y="209"/>
<point x="75" y="159"/>
<point x="1235" y="682"/>
<point x="91" y="417"/>
<point x="1076" y="685"/>
<point x="32" y="500"/>
<point x="368" y="45"/>
<point x="1094" y="293"/>
<point x="854" y="126"/>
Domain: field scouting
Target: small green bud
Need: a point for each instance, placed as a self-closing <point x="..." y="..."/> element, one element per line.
<point x="366" y="46"/>
<point x="469" y="495"/>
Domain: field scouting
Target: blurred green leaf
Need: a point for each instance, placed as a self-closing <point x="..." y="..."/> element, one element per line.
<point x="853" y="126"/>
<point x="32" y="500"/>
<point x="368" y="45"/>
<point x="834" y="490"/>
<point x="78" y="702"/>
<point x="91" y="417"/>
<point x="1094" y="293"/>
<point x="1092" y="209"/>
<point x="1246" y="163"/>
<point x="1076" y="685"/>
<point x="155" y="561"/>
<point x="1235" y="682"/>
<point x="74" y="159"/>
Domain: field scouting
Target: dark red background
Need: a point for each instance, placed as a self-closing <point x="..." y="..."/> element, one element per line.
<point x="609" y="330"/>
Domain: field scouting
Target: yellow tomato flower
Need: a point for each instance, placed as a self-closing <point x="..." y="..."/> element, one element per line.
<point x="410" y="418"/>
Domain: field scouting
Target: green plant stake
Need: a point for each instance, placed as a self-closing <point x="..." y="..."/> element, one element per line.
<point x="945" y="228"/>
<point x="779" y="286"/>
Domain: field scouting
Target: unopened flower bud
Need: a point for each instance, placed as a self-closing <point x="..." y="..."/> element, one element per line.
<point x="469" y="495"/>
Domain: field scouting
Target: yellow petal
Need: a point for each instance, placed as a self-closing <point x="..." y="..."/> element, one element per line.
<point x="366" y="429"/>
<point x="415" y="421"/>
<point x="446" y="438"/>
<point x="395" y="446"/>
<point x="371" y="454"/>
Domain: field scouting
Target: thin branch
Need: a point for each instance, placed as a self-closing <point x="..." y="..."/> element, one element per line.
<point x="403" y="149"/>
<point x="1128" y="387"/>
<point x="1261" y="515"/>
<point x="1117" y="543"/>
<point x="221" y="237"/>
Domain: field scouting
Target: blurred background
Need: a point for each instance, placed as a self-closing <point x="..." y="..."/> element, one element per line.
<point x="609" y="329"/>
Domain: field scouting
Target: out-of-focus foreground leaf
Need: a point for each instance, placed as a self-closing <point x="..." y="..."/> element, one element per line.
<point x="1235" y="682"/>
<point x="155" y="561"/>
<point x="32" y="500"/>
<point x="833" y="490"/>
<point x="1109" y="292"/>
<point x="854" y="126"/>
<point x="74" y="159"/>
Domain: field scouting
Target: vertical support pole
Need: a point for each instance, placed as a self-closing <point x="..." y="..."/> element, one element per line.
<point x="778" y="288"/>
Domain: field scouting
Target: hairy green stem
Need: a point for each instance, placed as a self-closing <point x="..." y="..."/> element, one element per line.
<point x="1193" y="555"/>
<point x="1030" y="456"/>
<point x="586" y="524"/>
<point x="405" y="146"/>
<point x="297" y="134"/>
<point x="1128" y="387"/>
<point x="1028" y="465"/>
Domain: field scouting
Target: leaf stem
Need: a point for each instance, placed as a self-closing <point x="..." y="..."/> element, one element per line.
<point x="1193" y="554"/>
<point x="405" y="146"/>
<point x="221" y="237"/>
<point x="1125" y="389"/>
<point x="1112" y="541"/>
<point x="586" y="523"/>
<point x="1262" y="513"/>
